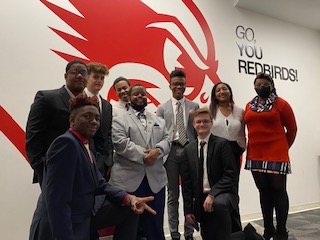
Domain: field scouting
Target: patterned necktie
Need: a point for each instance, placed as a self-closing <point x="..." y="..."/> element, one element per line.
<point x="201" y="161"/>
<point x="88" y="150"/>
<point x="183" y="139"/>
<point x="142" y="118"/>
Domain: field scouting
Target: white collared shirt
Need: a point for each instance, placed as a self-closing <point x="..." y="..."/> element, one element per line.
<point x="206" y="185"/>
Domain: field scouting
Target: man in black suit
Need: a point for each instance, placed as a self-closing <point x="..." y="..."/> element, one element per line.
<point x="209" y="181"/>
<point x="71" y="181"/>
<point x="49" y="114"/>
<point x="103" y="149"/>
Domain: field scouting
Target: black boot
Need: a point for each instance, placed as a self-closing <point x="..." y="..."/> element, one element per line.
<point x="269" y="233"/>
<point x="281" y="236"/>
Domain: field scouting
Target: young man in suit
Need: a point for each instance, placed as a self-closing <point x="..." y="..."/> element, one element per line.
<point x="49" y="113"/>
<point x="71" y="181"/>
<point x="121" y="85"/>
<point x="140" y="141"/>
<point x="181" y="131"/>
<point x="102" y="139"/>
<point x="209" y="180"/>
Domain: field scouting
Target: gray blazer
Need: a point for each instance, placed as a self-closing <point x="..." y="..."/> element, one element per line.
<point x="130" y="140"/>
<point x="166" y="112"/>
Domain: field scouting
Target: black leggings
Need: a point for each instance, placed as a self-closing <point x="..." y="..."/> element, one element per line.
<point x="273" y="195"/>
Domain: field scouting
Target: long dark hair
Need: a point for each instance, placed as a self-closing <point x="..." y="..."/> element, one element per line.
<point x="214" y="101"/>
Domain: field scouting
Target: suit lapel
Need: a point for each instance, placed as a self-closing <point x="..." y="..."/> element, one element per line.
<point x="150" y="124"/>
<point x="64" y="96"/>
<point x="211" y="146"/>
<point x="135" y="119"/>
<point x="171" y="111"/>
<point x="103" y="110"/>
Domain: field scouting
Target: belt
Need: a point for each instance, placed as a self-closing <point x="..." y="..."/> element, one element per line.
<point x="176" y="143"/>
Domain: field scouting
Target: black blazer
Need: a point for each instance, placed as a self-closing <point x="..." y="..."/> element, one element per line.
<point x="69" y="186"/>
<point x="48" y="118"/>
<point x="221" y="169"/>
<point x="103" y="148"/>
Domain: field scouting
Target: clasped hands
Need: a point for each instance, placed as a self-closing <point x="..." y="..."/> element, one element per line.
<point x="151" y="156"/>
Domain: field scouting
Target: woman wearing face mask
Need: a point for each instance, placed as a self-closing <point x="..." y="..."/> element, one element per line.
<point x="271" y="132"/>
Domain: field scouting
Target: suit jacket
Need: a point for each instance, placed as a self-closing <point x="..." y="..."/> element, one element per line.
<point x="166" y="112"/>
<point x="103" y="149"/>
<point x="69" y="186"/>
<point x="222" y="174"/>
<point x="130" y="140"/>
<point x="48" y="118"/>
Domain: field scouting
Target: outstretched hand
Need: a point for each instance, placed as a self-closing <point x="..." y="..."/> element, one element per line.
<point x="138" y="205"/>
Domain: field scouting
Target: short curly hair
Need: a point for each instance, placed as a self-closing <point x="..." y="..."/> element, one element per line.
<point x="82" y="100"/>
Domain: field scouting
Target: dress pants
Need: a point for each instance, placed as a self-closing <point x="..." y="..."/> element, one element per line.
<point x="173" y="168"/>
<point x="217" y="225"/>
<point x="122" y="217"/>
<point x="151" y="226"/>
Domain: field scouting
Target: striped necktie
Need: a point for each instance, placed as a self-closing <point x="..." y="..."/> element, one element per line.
<point x="183" y="139"/>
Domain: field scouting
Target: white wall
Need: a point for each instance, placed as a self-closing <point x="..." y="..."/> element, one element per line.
<point x="27" y="65"/>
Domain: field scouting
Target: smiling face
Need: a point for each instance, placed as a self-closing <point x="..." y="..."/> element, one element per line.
<point x="95" y="82"/>
<point x="222" y="93"/>
<point x="178" y="87"/>
<point x="76" y="78"/>
<point x="202" y="123"/>
<point x="85" y="120"/>
<point x="138" y="96"/>
<point x="122" y="89"/>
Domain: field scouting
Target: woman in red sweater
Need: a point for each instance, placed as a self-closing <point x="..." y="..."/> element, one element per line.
<point x="271" y="132"/>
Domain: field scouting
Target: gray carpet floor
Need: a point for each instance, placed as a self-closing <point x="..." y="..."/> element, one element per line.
<point x="302" y="225"/>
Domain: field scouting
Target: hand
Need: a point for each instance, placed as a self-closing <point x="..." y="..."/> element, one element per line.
<point x="138" y="205"/>
<point x="151" y="156"/>
<point x="192" y="220"/>
<point x="208" y="204"/>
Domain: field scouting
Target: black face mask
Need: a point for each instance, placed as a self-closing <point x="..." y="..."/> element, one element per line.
<point x="263" y="91"/>
<point x="138" y="108"/>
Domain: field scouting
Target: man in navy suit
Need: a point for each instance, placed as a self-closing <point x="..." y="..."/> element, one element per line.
<point x="209" y="181"/>
<point x="71" y="181"/>
<point x="49" y="114"/>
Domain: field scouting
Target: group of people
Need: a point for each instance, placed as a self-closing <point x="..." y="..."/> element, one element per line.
<point x="93" y="160"/>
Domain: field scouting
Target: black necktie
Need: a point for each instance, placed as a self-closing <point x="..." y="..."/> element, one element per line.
<point x="127" y="106"/>
<point x="201" y="161"/>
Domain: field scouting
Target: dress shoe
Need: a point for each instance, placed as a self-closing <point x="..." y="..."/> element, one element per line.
<point x="189" y="238"/>
<point x="251" y="233"/>
<point x="175" y="238"/>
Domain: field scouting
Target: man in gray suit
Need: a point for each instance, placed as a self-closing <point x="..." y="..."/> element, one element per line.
<point x="177" y="113"/>
<point x="140" y="141"/>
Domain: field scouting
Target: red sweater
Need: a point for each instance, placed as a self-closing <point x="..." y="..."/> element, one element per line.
<point x="267" y="138"/>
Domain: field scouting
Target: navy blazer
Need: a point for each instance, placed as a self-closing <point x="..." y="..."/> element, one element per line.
<point x="69" y="186"/>
<point x="221" y="169"/>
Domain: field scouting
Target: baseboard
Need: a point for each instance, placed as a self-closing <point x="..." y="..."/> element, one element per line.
<point x="256" y="216"/>
<point x="249" y="217"/>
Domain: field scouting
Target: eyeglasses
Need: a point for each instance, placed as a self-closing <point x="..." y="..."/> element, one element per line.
<point x="176" y="84"/>
<point x="84" y="73"/>
<point x="205" y="121"/>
